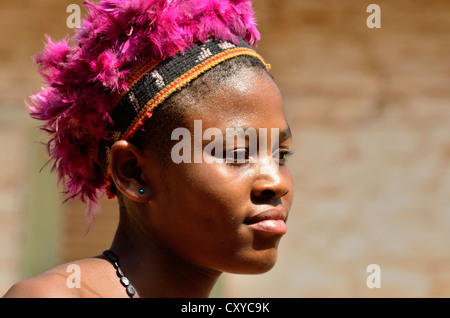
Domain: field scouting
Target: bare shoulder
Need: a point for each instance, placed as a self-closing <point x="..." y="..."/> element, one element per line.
<point x="59" y="282"/>
<point x="51" y="284"/>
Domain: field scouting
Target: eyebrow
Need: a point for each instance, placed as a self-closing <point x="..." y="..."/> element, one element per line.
<point x="285" y="134"/>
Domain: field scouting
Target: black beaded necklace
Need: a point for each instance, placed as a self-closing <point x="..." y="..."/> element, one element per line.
<point x="114" y="259"/>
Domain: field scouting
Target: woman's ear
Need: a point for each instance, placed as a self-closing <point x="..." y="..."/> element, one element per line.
<point x="126" y="171"/>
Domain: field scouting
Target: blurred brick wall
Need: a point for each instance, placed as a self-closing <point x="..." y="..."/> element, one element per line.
<point x="28" y="197"/>
<point x="370" y="113"/>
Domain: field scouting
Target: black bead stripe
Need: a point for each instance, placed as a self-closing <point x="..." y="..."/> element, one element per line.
<point x="114" y="259"/>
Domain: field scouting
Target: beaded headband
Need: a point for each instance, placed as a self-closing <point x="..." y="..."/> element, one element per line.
<point x="154" y="81"/>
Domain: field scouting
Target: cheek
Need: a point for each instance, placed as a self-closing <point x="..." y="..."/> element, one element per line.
<point x="216" y="200"/>
<point x="217" y="186"/>
<point x="204" y="210"/>
<point x="289" y="197"/>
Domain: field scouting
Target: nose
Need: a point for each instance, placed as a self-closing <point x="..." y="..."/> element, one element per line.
<point x="270" y="183"/>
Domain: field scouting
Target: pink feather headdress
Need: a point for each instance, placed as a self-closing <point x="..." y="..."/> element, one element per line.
<point x="82" y="73"/>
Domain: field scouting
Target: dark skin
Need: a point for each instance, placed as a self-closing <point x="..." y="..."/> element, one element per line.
<point x="192" y="222"/>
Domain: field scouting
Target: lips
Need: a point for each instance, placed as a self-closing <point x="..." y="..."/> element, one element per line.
<point x="270" y="221"/>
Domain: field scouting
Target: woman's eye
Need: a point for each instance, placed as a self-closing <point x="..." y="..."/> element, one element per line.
<point x="283" y="155"/>
<point x="237" y="156"/>
<point x="242" y="155"/>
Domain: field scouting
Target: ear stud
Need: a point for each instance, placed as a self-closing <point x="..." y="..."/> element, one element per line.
<point x="141" y="191"/>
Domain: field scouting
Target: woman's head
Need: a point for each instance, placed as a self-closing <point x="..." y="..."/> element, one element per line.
<point x="209" y="213"/>
<point x="141" y="72"/>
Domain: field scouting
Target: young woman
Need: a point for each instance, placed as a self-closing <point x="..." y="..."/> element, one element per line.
<point x="165" y="106"/>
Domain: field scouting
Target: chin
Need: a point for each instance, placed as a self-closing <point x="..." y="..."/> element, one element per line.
<point x="261" y="263"/>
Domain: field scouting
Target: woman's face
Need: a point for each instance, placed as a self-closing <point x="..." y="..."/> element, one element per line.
<point x="224" y="215"/>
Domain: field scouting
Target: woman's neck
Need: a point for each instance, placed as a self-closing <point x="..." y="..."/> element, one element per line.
<point x="154" y="270"/>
